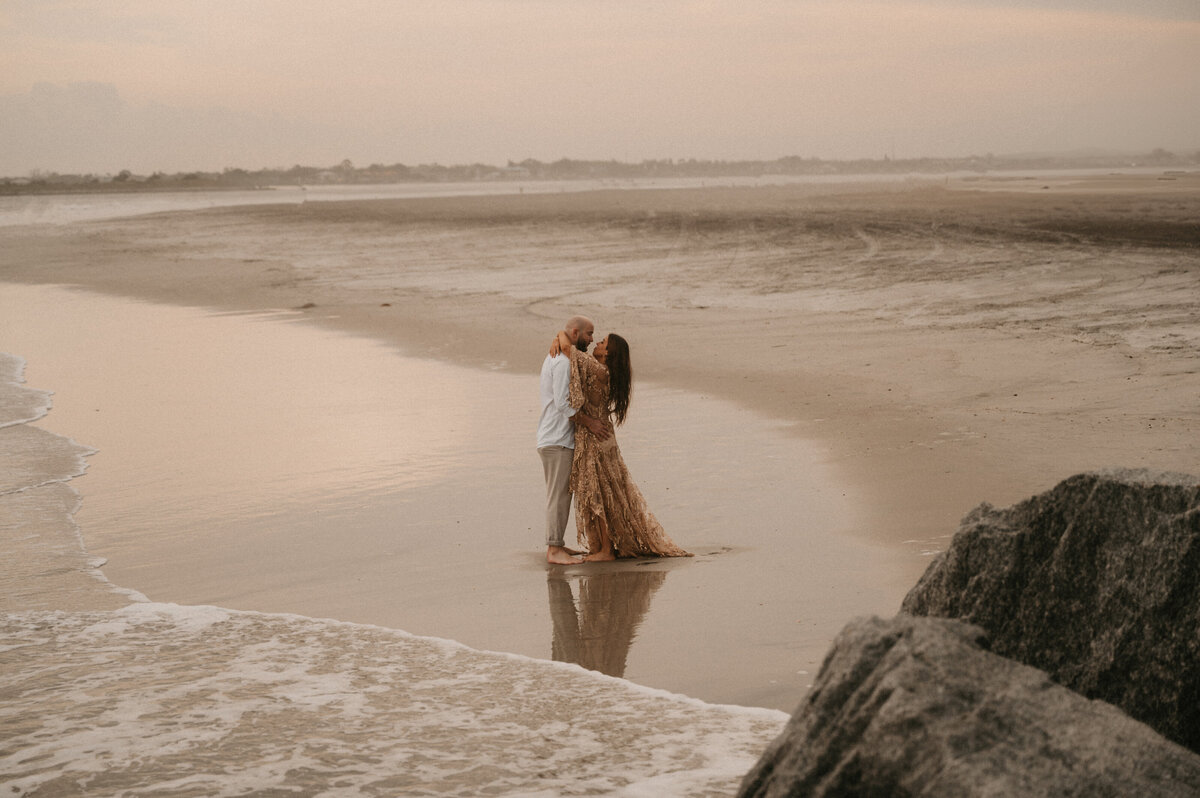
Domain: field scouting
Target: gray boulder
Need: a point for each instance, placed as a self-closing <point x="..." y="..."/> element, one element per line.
<point x="915" y="706"/>
<point x="1096" y="582"/>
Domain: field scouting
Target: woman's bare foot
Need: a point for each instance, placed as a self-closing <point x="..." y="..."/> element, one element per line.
<point x="560" y="555"/>
<point x="601" y="556"/>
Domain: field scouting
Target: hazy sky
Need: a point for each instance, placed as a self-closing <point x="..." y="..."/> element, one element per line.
<point x="173" y="85"/>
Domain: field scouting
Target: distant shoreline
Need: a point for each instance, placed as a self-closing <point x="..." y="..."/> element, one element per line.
<point x="991" y="175"/>
<point x="14" y="190"/>
<point x="346" y="174"/>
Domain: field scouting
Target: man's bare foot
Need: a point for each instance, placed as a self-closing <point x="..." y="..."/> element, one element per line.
<point x="559" y="555"/>
<point x="601" y="556"/>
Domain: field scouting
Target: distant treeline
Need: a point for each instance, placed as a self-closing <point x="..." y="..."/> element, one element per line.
<point x="569" y="169"/>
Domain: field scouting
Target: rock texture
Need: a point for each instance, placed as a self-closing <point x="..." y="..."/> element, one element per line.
<point x="915" y="706"/>
<point x="1097" y="582"/>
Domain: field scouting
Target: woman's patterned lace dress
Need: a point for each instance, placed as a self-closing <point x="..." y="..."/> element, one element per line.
<point x="604" y="491"/>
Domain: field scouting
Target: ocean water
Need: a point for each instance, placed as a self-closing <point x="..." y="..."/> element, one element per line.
<point x="168" y="590"/>
<point x="254" y="462"/>
<point x="245" y="555"/>
<point x="160" y="699"/>
<point x="107" y="693"/>
<point x="59" y="209"/>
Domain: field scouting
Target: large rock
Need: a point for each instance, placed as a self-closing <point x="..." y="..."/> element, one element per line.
<point x="1097" y="582"/>
<point x="914" y="706"/>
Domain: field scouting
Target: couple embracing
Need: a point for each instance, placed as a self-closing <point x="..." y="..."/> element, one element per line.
<point x="583" y="395"/>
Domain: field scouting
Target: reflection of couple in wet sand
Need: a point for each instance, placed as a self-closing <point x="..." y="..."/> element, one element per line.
<point x="595" y="628"/>
<point x="583" y="396"/>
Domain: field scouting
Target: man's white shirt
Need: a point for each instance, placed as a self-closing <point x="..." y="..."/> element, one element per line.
<point x="555" y="427"/>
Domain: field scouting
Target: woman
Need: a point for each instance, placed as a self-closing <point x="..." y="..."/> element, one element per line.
<point x="611" y="515"/>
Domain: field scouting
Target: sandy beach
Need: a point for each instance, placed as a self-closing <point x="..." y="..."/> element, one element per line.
<point x="859" y="362"/>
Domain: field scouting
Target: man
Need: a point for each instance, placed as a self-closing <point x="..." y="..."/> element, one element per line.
<point x="556" y="439"/>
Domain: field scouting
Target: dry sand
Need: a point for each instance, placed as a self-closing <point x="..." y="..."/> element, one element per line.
<point x="954" y="342"/>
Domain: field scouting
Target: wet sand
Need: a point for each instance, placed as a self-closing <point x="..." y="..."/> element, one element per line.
<point x="944" y="344"/>
<point x="251" y="462"/>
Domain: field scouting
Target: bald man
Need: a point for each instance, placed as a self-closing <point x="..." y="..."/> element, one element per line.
<point x="556" y="439"/>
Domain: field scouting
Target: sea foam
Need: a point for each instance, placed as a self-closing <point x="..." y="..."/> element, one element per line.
<point x="19" y="404"/>
<point x="164" y="699"/>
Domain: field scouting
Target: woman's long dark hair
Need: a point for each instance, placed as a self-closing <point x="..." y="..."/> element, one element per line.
<point x="620" y="377"/>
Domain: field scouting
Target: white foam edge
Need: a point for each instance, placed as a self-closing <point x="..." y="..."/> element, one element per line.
<point x="95" y="563"/>
<point x="196" y="617"/>
<point x="83" y="451"/>
<point x="17" y="379"/>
